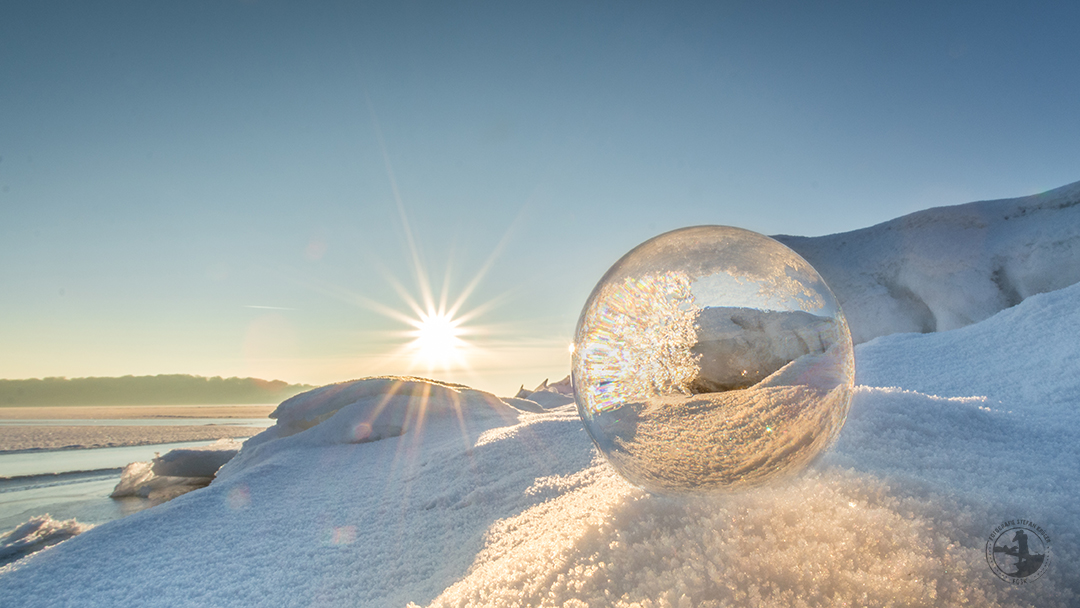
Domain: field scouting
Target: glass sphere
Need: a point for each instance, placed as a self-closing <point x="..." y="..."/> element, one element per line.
<point x="711" y="358"/>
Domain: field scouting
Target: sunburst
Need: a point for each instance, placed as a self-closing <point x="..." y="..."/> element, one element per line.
<point x="442" y="333"/>
<point x="437" y="340"/>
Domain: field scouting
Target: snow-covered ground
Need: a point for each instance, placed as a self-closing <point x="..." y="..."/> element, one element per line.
<point x="384" y="492"/>
<point x="947" y="267"/>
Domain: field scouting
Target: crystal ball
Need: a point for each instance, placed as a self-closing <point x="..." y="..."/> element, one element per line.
<point x="710" y="359"/>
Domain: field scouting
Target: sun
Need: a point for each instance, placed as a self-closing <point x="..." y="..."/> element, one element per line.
<point x="437" y="341"/>
<point x="443" y="332"/>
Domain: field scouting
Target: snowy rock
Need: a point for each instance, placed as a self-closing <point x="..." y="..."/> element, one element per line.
<point x="201" y="461"/>
<point x="139" y="480"/>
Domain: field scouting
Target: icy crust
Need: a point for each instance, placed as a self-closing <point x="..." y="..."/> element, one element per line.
<point x="197" y="462"/>
<point x="177" y="472"/>
<point x="948" y="267"/>
<point x="367" y="410"/>
<point x="39" y="533"/>
<point x="548" y="396"/>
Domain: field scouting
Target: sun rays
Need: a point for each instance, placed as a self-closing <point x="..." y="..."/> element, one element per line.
<point x="440" y="336"/>
<point x="442" y="333"/>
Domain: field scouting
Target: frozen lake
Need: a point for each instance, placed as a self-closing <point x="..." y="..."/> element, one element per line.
<point x="75" y="483"/>
<point x="84" y="496"/>
<point x="52" y="462"/>
<point x="170" y="421"/>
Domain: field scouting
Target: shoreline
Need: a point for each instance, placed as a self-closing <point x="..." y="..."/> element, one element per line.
<point x="106" y="412"/>
<point x="109" y="471"/>
<point x="30" y="439"/>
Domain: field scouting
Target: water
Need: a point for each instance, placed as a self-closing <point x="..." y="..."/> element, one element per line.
<point x="83" y="496"/>
<point x="52" y="462"/>
<point x="76" y="483"/>
<point x="71" y="483"/>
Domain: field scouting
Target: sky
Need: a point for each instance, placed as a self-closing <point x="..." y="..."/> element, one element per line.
<point x="261" y="188"/>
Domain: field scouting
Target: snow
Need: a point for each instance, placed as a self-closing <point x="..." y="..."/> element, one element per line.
<point x="369" y="411"/>
<point x="203" y="461"/>
<point x="947" y="267"/>
<point x="391" y="491"/>
<point x="39" y="533"/>
<point x="739" y="347"/>
<point x="949" y="435"/>
<point x="548" y="396"/>
<point x="177" y="472"/>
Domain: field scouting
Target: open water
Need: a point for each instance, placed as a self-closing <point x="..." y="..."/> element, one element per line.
<point x="76" y="483"/>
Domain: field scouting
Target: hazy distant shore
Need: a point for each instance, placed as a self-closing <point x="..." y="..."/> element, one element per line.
<point x="89" y="412"/>
<point x="23" y="438"/>
<point x="173" y="389"/>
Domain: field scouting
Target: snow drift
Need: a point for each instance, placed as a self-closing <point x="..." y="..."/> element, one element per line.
<point x="948" y="267"/>
<point x="400" y="491"/>
<point x="949" y="435"/>
<point x="370" y="410"/>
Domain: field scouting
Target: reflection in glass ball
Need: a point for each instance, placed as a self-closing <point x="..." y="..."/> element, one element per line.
<point x="712" y="358"/>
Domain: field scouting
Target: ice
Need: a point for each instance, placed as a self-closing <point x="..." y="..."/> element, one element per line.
<point x="177" y="472"/>
<point x="711" y="358"/>
<point x="39" y="533"/>
<point x="549" y="396"/>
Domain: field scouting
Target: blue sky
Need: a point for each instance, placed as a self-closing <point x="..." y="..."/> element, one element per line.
<point x="229" y="188"/>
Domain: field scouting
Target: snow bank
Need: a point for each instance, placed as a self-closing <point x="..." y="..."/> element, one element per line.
<point x="896" y="514"/>
<point x="480" y="505"/>
<point x="37" y="534"/>
<point x="391" y="491"/>
<point x="368" y="410"/>
<point x="948" y="267"/>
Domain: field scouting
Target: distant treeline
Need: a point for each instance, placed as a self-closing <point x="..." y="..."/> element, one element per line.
<point x="174" y="389"/>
